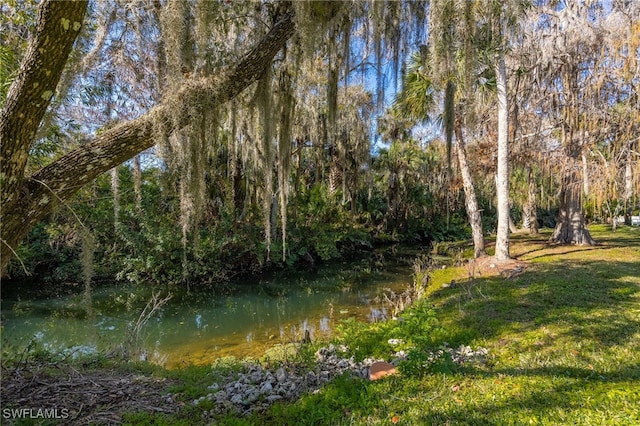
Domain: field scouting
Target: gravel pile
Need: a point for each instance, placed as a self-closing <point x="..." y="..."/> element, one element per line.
<point x="257" y="387"/>
<point x="461" y="355"/>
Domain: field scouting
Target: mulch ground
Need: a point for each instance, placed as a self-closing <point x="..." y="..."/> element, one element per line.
<point x="487" y="266"/>
<point x="99" y="396"/>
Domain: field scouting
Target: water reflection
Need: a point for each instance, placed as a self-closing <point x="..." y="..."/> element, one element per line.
<point x="198" y="327"/>
<point x="377" y="314"/>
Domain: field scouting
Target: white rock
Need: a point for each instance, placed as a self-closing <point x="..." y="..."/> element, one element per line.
<point x="253" y="396"/>
<point x="266" y="387"/>
<point x="273" y="398"/>
<point x="281" y="375"/>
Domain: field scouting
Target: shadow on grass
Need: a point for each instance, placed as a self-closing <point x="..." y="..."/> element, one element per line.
<point x="567" y="250"/>
<point x="351" y="401"/>
<point x="554" y="310"/>
<point x="589" y="299"/>
<point x="543" y="405"/>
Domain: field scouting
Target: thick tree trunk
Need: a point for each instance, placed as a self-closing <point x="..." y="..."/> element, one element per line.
<point x="502" y="175"/>
<point x="59" y="24"/>
<point x="27" y="201"/>
<point x="471" y="203"/>
<point x="571" y="227"/>
<point x="30" y="94"/>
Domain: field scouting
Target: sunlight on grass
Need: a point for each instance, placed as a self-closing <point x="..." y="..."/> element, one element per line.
<point x="563" y="338"/>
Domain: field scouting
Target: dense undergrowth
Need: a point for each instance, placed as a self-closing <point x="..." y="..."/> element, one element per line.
<point x="145" y="244"/>
<point x="563" y="341"/>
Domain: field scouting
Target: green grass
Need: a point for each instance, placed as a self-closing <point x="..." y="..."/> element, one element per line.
<point x="563" y="339"/>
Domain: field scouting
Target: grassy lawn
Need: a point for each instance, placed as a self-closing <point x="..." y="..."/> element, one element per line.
<point x="563" y="338"/>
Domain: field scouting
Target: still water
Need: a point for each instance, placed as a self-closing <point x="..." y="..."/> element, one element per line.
<point x="197" y="327"/>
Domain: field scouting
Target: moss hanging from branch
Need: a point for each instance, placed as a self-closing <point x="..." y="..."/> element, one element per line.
<point x="266" y="155"/>
<point x="332" y="97"/>
<point x="449" y="117"/>
<point x="176" y="27"/>
<point x="287" y="103"/>
<point x="313" y="18"/>
<point x="346" y="48"/>
<point x="378" y="31"/>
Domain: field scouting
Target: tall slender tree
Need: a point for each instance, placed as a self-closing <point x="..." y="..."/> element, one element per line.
<point x="417" y="100"/>
<point x="502" y="173"/>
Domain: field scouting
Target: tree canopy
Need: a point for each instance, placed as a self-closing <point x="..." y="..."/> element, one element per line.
<point x="268" y="122"/>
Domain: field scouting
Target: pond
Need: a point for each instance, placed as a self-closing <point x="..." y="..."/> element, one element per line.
<point x="197" y="327"/>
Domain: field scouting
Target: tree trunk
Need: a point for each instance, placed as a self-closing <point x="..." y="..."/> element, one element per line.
<point x="502" y="175"/>
<point x="571" y="227"/>
<point x="26" y="201"/>
<point x="137" y="183"/>
<point x="30" y="94"/>
<point x="628" y="186"/>
<point x="586" y="185"/>
<point x="471" y="203"/>
<point x="530" y="220"/>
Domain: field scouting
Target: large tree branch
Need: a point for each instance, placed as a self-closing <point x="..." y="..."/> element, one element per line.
<point x="122" y="142"/>
<point x="62" y="178"/>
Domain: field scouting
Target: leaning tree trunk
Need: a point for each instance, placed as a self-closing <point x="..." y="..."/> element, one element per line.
<point x="58" y="25"/>
<point x="26" y="200"/>
<point x="571" y="226"/>
<point x="471" y="203"/>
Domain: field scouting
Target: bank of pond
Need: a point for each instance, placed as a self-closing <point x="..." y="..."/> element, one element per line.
<point x="181" y="326"/>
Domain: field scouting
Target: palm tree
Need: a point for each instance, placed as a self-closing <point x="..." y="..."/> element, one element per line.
<point x="417" y="101"/>
<point x="463" y="35"/>
<point x="502" y="174"/>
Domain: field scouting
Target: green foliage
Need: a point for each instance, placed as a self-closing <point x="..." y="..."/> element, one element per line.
<point x="322" y="227"/>
<point x="16" y="20"/>
<point x="146" y="245"/>
<point x="408" y="193"/>
<point x="418" y="328"/>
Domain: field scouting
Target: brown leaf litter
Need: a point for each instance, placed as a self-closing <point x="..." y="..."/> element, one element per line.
<point x="98" y="396"/>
